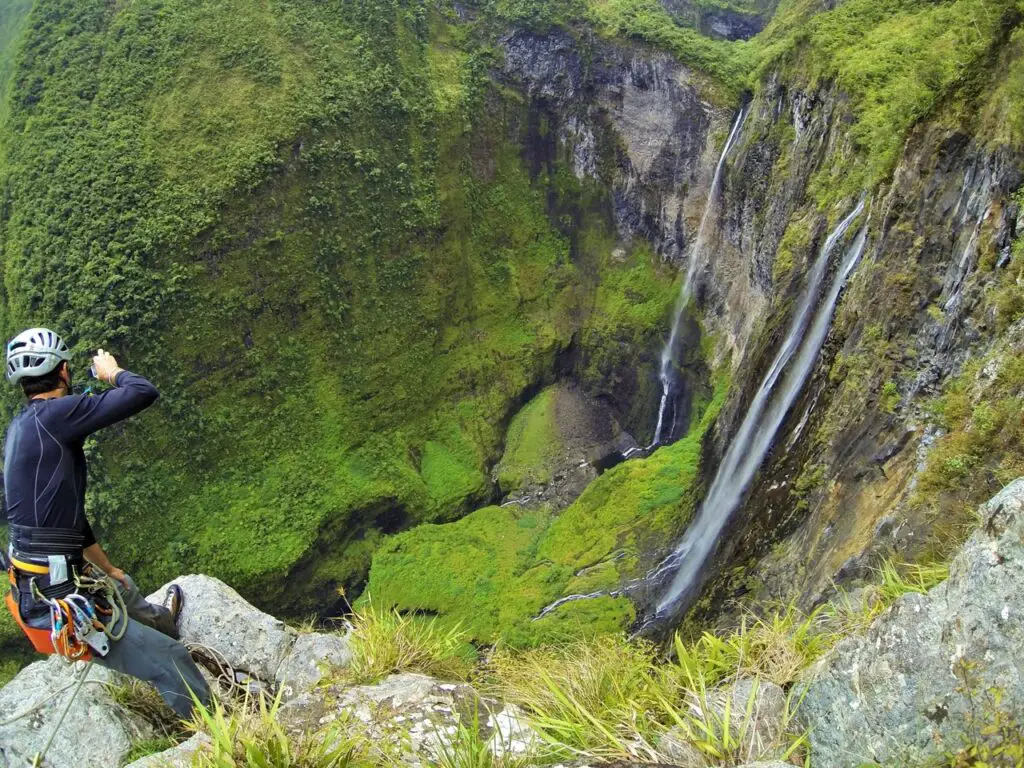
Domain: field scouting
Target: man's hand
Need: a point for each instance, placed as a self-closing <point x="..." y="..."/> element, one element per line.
<point x="119" y="575"/>
<point x="94" y="554"/>
<point x="106" y="366"/>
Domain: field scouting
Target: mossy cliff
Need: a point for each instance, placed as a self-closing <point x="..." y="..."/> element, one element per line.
<point x="350" y="241"/>
<point x="839" y="109"/>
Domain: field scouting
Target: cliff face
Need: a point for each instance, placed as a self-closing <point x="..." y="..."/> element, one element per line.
<point x="862" y="466"/>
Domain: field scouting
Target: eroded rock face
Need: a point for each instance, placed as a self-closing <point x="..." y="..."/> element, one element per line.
<point x="653" y="107"/>
<point x="95" y="732"/>
<point x="922" y="679"/>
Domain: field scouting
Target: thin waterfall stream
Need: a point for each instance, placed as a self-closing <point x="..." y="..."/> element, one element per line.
<point x="792" y="365"/>
<point x="666" y="372"/>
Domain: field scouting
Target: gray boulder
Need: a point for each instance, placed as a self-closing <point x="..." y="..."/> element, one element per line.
<point x="95" y="732"/>
<point x="761" y="732"/>
<point x="176" y="757"/>
<point x="310" y="659"/>
<point x="412" y="717"/>
<point x="921" y="680"/>
<point x="216" y="616"/>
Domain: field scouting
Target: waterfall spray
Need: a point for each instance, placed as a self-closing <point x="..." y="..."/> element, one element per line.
<point x="763" y="418"/>
<point x="667" y="371"/>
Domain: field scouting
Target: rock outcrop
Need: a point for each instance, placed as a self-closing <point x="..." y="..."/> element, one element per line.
<point x="96" y="731"/>
<point x="939" y="669"/>
<point x="99" y="732"/>
<point x="414" y="717"/>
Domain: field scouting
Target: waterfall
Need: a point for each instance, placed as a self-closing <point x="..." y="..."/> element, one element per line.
<point x="667" y="371"/>
<point x="763" y="418"/>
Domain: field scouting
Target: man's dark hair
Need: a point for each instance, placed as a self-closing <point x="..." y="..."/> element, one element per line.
<point x="37" y="385"/>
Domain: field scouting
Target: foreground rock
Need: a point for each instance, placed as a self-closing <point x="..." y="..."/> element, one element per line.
<point x="95" y="732"/>
<point x="98" y="732"/>
<point x="927" y="675"/>
<point x="413" y="718"/>
<point x="758" y="735"/>
<point x="216" y="616"/>
<point x="180" y="756"/>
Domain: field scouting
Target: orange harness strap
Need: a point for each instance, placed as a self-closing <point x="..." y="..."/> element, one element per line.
<point x="40" y="638"/>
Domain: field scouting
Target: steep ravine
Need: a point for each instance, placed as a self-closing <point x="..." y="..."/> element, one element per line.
<point x="844" y="470"/>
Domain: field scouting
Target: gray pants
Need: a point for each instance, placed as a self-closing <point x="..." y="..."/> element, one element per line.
<point x="150" y="651"/>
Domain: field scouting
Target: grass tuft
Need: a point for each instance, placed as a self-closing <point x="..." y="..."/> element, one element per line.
<point x="251" y="736"/>
<point x="773" y="648"/>
<point x="597" y="698"/>
<point x="468" y="749"/>
<point x="385" y="642"/>
<point x="613" y="699"/>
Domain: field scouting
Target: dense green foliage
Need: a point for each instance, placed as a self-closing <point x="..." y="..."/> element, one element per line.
<point x="895" y="62"/>
<point x="318" y="227"/>
<point x="532" y="445"/>
<point x="273" y="211"/>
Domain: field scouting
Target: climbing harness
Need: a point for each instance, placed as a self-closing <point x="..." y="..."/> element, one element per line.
<point x="86" y="613"/>
<point x="49" y="575"/>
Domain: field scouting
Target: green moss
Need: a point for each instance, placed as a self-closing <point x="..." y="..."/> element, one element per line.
<point x="580" y="619"/>
<point x="496" y="569"/>
<point x="532" y="446"/>
<point x="890" y="397"/>
<point x="895" y="61"/>
<point x="795" y="244"/>
<point x="463" y="571"/>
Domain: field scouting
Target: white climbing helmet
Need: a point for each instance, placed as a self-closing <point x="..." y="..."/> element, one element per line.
<point x="35" y="352"/>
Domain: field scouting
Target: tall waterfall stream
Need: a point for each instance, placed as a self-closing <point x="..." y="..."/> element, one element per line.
<point x="779" y="389"/>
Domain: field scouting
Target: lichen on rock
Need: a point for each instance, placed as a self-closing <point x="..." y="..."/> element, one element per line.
<point x="922" y="681"/>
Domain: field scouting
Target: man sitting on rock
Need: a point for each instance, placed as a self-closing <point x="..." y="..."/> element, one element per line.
<point x="62" y="601"/>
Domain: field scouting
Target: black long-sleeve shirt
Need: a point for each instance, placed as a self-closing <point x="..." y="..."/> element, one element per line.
<point x="44" y="464"/>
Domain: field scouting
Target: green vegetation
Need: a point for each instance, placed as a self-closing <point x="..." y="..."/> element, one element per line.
<point x="12" y="22"/>
<point x="324" y="234"/>
<point x="775" y="647"/>
<point x="384" y="642"/>
<point x="611" y="700"/>
<point x="727" y="64"/>
<point x="895" y="61"/>
<point x="532" y="446"/>
<point x="339" y="308"/>
<point x="980" y="452"/>
<point x="994" y="735"/>
<point x="495" y="569"/>
<point x="250" y="735"/>
<point x="15" y="650"/>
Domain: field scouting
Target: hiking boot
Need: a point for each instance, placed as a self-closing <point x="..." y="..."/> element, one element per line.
<point x="174" y="600"/>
